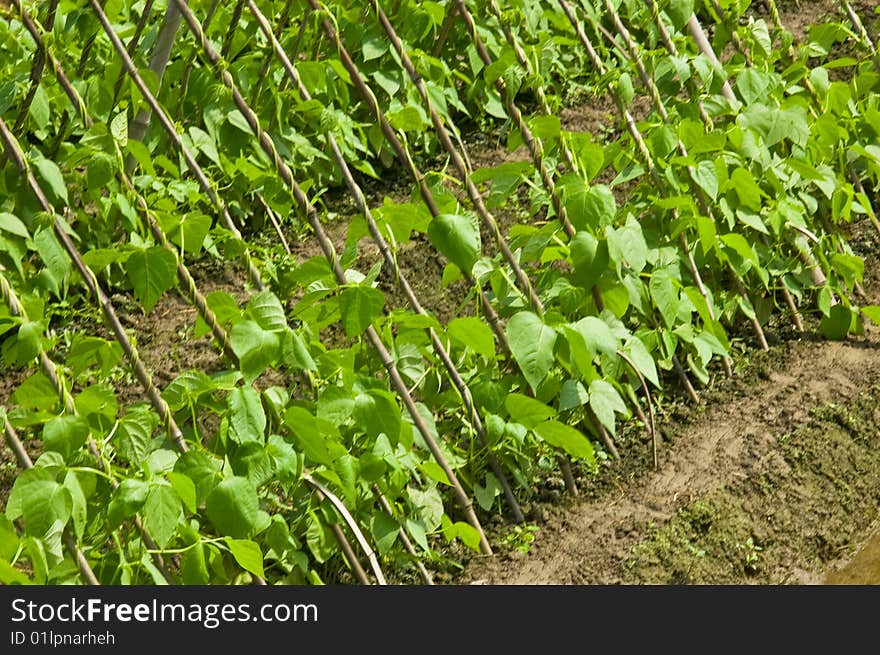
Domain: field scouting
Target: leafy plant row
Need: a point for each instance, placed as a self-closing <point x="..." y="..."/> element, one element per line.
<point x="642" y="254"/>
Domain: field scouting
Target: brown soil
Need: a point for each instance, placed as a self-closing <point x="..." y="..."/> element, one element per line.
<point x="787" y="459"/>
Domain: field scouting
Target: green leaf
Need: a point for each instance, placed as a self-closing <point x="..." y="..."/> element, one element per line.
<point x="39" y="109"/>
<point x="706" y="176"/>
<point x="247" y="418"/>
<point x="474" y="334"/>
<point x="589" y="257"/>
<point x="49" y="172"/>
<point x="79" y="509"/>
<point x="10" y="575"/>
<point x="54" y="256"/>
<point x="10" y="223"/>
<point x="39" y="500"/>
<point x="638" y="353"/>
<point x="119" y="128"/>
<point x="296" y="353"/>
<point x="185" y="489"/>
<point x="384" y="530"/>
<point x="127" y="500"/>
<point x="36" y="392"/>
<point x="873" y="313"/>
<point x="531" y="343"/>
<point x="360" y="306"/>
<point x="469" y="535"/>
<point x="311" y="439"/>
<point x="151" y="273"/>
<point x="162" y="512"/>
<point x="747" y="190"/>
<point x="202" y="469"/>
<point x="248" y="555"/>
<point x="627" y="244"/>
<point x="266" y="310"/>
<point x="527" y="411"/>
<point x="65" y="434"/>
<point x="597" y="335"/>
<point x="836" y="325"/>
<point x="428" y="506"/>
<point x="605" y="401"/>
<point x="775" y="124"/>
<point x="377" y="412"/>
<point x="590" y="208"/>
<point x="753" y="85"/>
<point x="665" y="295"/>
<point x="566" y="437"/>
<point x="679" y="11"/>
<point x="319" y="539"/>
<point x="233" y="507"/>
<point x="256" y="348"/>
<point x="193" y="567"/>
<point x="458" y="238"/>
<point x="135" y="433"/>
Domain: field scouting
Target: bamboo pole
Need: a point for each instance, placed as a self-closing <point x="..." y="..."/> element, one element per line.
<point x="137" y="129"/>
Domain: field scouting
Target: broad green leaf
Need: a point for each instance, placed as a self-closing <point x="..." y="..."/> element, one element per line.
<point x="162" y="512"/>
<point x="65" y="434"/>
<point x="753" y="85"/>
<point x="458" y="238"/>
<point x="573" y="394"/>
<point x="590" y="208"/>
<point x="461" y="530"/>
<point x="640" y="356"/>
<point x="135" y="434"/>
<point x="597" y="335"/>
<point x="873" y="313"/>
<point x="186" y="490"/>
<point x="706" y="176"/>
<point x="49" y="173"/>
<point x="256" y="348"/>
<point x="836" y="325"/>
<point x="36" y="392"/>
<point x="527" y="411"/>
<point x="566" y="437"/>
<point x="360" y="306"/>
<point x="311" y="440"/>
<point x="679" y="11"/>
<point x="39" y="500"/>
<point x="39" y="109"/>
<point x="127" y="500"/>
<point x="377" y="412"/>
<point x="605" y="401"/>
<point x="474" y="334"/>
<point x="296" y="353"/>
<point x="384" y="530"/>
<point x="589" y="257"/>
<point x="266" y="310"/>
<point x="11" y="223"/>
<point x="428" y="506"/>
<point x="194" y="567"/>
<point x="775" y="124"/>
<point x="247" y="418"/>
<point x="234" y="508"/>
<point x="151" y="273"/>
<point x="627" y="244"/>
<point x="248" y="555"/>
<point x="203" y="469"/>
<point x="54" y="257"/>
<point x="531" y="343"/>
